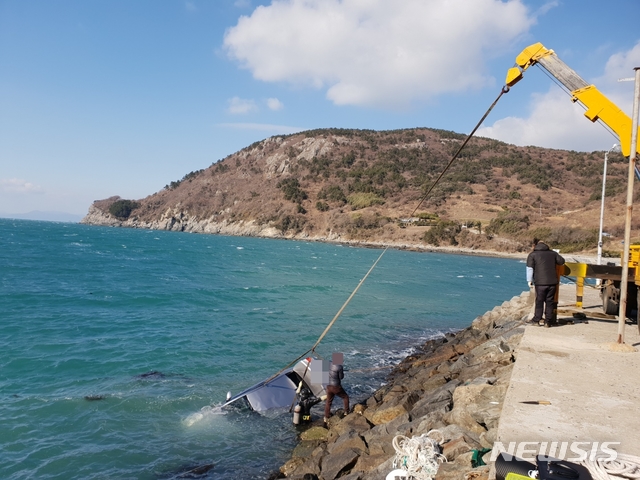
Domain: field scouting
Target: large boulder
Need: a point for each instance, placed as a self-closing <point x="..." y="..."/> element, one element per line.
<point x="454" y="448"/>
<point x="455" y="470"/>
<point x="310" y="465"/>
<point x="336" y="463"/>
<point x="380" y="444"/>
<point x="351" y="423"/>
<point x="476" y="407"/>
<point x="387" y="411"/>
<point x="439" y="399"/>
<point x="351" y="441"/>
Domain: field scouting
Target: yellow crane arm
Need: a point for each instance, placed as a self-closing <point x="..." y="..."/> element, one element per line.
<point x="598" y="107"/>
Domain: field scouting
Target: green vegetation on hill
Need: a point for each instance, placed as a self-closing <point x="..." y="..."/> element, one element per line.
<point x="121" y="209"/>
<point x="315" y="180"/>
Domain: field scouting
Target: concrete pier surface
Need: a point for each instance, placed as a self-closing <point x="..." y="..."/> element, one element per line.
<point x="588" y="387"/>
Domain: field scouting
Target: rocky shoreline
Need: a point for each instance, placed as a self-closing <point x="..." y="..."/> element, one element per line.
<point x="455" y="384"/>
<point x="179" y="221"/>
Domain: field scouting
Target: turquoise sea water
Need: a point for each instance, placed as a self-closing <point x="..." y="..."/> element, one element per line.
<point x="118" y="346"/>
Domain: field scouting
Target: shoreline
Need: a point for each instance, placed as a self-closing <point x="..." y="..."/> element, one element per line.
<point x="97" y="218"/>
<point x="182" y="222"/>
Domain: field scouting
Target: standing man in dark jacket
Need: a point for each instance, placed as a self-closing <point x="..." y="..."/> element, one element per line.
<point x="336" y="374"/>
<point x="541" y="270"/>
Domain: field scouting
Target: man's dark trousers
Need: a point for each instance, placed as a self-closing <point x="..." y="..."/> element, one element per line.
<point x="545" y="294"/>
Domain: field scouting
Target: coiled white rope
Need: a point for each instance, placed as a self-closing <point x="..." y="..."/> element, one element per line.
<point x="418" y="457"/>
<point x="623" y="467"/>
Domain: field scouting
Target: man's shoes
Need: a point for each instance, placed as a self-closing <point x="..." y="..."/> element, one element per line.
<point x="547" y="324"/>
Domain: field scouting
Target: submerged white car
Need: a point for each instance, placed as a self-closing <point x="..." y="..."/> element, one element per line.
<point x="279" y="391"/>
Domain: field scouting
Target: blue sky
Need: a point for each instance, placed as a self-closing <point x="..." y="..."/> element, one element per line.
<point x="122" y="97"/>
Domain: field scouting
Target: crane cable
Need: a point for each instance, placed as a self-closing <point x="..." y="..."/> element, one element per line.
<point x="326" y="330"/>
<point x="504" y="90"/>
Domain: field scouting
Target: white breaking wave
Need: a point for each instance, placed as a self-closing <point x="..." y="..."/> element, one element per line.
<point x="205" y="415"/>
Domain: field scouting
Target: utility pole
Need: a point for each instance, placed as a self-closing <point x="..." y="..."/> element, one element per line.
<point x="622" y="315"/>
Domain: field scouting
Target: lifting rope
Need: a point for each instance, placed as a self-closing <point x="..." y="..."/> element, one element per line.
<point x="326" y="330"/>
<point x="503" y="90"/>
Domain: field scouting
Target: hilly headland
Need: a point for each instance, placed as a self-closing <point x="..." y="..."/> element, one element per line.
<point x="368" y="187"/>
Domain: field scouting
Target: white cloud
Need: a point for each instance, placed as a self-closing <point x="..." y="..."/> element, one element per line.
<point x="242" y="3"/>
<point x="376" y="52"/>
<point x="240" y="106"/>
<point x="274" y="104"/>
<point x="15" y="185"/>
<point x="262" y="127"/>
<point x="555" y="122"/>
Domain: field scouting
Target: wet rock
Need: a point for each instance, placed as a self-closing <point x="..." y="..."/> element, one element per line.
<point x="94" y="398"/>
<point x="315" y="433"/>
<point x="153" y="374"/>
<point x="310" y="465"/>
<point x="305" y="448"/>
<point x="194" y="471"/>
<point x="291" y="466"/>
